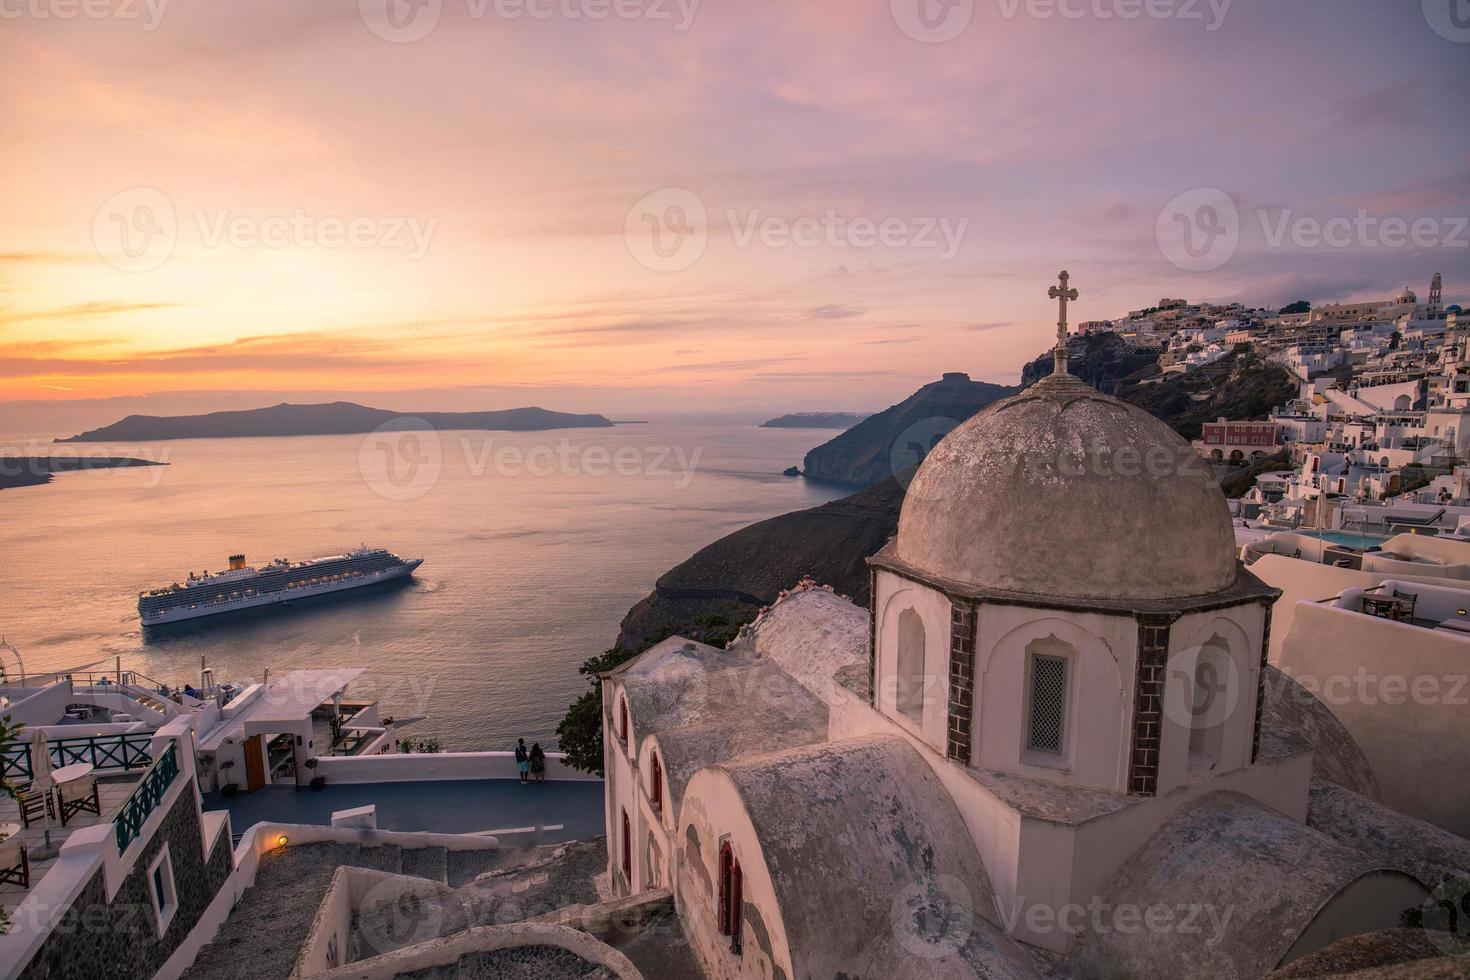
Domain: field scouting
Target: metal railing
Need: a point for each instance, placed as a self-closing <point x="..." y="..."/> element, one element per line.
<point x="91" y="678"/>
<point x="126" y="752"/>
<point x="146" y="797"/>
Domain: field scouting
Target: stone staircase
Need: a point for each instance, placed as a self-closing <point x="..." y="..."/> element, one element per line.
<point x="263" y="935"/>
<point x="268" y="926"/>
<point x="521" y="963"/>
<point x="480" y="888"/>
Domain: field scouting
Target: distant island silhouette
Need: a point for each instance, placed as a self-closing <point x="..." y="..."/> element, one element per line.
<point x="34" y="471"/>
<point x="333" y="418"/>
<point x="816" y="420"/>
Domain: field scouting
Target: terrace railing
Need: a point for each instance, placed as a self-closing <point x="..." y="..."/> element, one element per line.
<point x="127" y="752"/>
<point x="146" y="797"/>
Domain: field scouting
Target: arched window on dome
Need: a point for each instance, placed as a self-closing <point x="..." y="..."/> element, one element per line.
<point x="1209" y="707"/>
<point x="1048" y="685"/>
<point x="908" y="696"/>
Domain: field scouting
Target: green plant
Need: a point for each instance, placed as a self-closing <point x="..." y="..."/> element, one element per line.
<point x="579" y="734"/>
<point x="10" y="736"/>
<point x="405" y="745"/>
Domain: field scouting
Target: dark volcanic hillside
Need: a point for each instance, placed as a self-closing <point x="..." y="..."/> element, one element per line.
<point x="865" y="454"/>
<point x="1238" y="386"/>
<point x="1103" y="360"/>
<point x="726" y="583"/>
<point x="335" y="418"/>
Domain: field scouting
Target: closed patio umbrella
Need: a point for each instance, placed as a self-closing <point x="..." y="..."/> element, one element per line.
<point x="41" y="776"/>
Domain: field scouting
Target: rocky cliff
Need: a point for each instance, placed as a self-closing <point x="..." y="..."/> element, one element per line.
<point x="1239" y="386"/>
<point x="726" y="583"/>
<point x="1103" y="360"/>
<point x="902" y="435"/>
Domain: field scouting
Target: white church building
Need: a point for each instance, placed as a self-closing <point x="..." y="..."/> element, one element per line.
<point x="1051" y="745"/>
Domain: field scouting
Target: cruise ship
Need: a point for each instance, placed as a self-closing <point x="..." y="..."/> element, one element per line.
<point x="242" y="586"/>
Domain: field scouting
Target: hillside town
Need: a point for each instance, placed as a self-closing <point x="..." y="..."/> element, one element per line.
<point x="1375" y="440"/>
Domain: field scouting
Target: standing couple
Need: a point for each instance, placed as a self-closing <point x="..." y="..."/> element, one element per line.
<point x="532" y="763"/>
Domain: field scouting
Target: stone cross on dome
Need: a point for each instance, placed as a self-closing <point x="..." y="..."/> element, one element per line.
<point x="1062" y="294"/>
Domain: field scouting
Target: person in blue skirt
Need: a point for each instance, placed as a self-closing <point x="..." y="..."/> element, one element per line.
<point x="523" y="760"/>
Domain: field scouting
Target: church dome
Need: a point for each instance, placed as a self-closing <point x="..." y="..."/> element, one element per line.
<point x="1406" y="297"/>
<point x="1062" y="491"/>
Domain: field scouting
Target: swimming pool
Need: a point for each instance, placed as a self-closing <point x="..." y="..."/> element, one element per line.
<point x="1349" y="539"/>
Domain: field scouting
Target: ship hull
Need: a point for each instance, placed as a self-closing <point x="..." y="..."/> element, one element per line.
<point x="180" y="614"/>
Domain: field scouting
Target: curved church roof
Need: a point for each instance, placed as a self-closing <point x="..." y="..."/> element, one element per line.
<point x="1396" y="839"/>
<point x="1265" y="876"/>
<point x="1063" y="491"/>
<point x="1293" y="715"/>
<point x="812" y="633"/>
<point x="901" y="891"/>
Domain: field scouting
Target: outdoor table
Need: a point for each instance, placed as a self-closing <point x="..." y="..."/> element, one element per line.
<point x="75" y="771"/>
<point x="1386" y="607"/>
<point x="15" y="867"/>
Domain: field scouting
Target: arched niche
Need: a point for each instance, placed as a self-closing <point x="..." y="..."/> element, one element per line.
<point x="1211" y="683"/>
<point x="1050" y="703"/>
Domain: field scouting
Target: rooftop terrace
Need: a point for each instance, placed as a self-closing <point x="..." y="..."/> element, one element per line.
<point x="561" y="811"/>
<point x="112" y="793"/>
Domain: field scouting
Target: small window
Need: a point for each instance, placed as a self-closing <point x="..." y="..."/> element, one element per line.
<point x="627" y="850"/>
<point x="623" y="720"/>
<point x="656" y="779"/>
<point x="731" y="887"/>
<point x="1048" y="694"/>
<point x="161" y="890"/>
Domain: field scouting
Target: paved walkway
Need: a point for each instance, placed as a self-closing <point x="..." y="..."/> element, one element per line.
<point x="569" y="810"/>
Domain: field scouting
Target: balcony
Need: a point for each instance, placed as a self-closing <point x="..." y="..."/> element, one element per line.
<point x="114" y="793"/>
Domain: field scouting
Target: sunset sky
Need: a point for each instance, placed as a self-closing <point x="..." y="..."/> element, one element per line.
<point x="488" y="171"/>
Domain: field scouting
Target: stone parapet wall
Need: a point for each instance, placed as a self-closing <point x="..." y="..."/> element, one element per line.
<point x="98" y="939"/>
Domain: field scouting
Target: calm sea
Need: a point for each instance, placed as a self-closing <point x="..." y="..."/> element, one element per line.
<point x="535" y="545"/>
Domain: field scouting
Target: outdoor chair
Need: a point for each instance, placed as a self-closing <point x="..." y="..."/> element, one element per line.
<point x="33" y="804"/>
<point x="15" y="862"/>
<point x="79" y="795"/>
<point x="1410" y="600"/>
